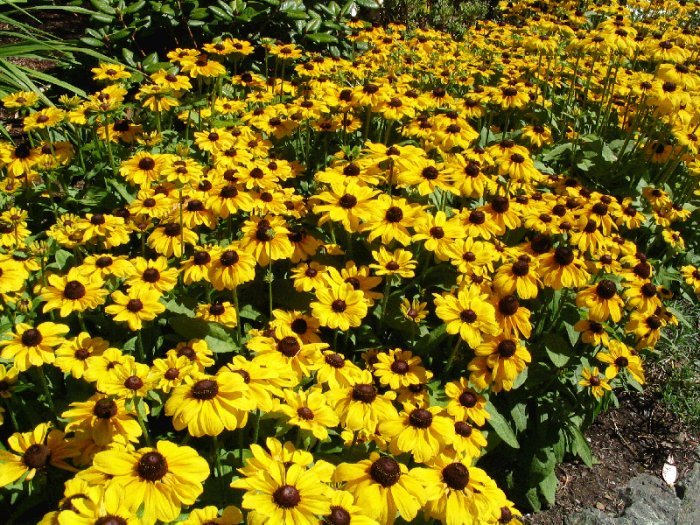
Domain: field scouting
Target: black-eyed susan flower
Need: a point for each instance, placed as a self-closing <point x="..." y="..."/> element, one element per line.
<point x="339" y="306"/>
<point x="399" y="368"/>
<point x="465" y="403"/>
<point x="152" y="275"/>
<point x="206" y="405"/>
<point x="230" y="267"/>
<point x="170" y="372"/>
<point x="72" y="355"/>
<point x="73" y="292"/>
<point x="391" y="219"/>
<point x="210" y="515"/>
<point x="288" y="351"/>
<point x="468" y="440"/>
<point x="222" y="312"/>
<point x="497" y="363"/>
<point x="361" y="406"/>
<point x="126" y="380"/>
<point x="562" y="268"/>
<point x="33" y="346"/>
<point x="135" y="307"/>
<point x="103" y="418"/>
<point x="456" y="492"/>
<point x="32" y="452"/>
<point x="383" y="487"/>
<point x="284" y="495"/>
<point x="602" y="301"/>
<point x="399" y="262"/>
<point x="421" y="431"/>
<point x="159" y="480"/>
<point x="309" y="411"/>
<point x="468" y="314"/>
<point x="596" y="383"/>
<point x="619" y="357"/>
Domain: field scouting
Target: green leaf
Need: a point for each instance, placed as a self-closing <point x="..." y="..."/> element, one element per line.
<point x="548" y="487"/>
<point x="501" y="426"/>
<point x="558" y="350"/>
<point x="94" y="42"/>
<point x="188" y="327"/>
<point x="103" y="6"/>
<point x="62" y="258"/>
<point x="579" y="445"/>
<point x="608" y="154"/>
<point x="369" y="4"/>
<point x="585" y="164"/>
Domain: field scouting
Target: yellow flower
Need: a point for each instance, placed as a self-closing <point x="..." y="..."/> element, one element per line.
<point x="73" y="293"/>
<point x="339" y="306"/>
<point x="383" y="487"/>
<point x="309" y="411"/>
<point x="141" y="304"/>
<point x="465" y="402"/>
<point x="207" y="405"/>
<point x="469" y="314"/>
<point x="400" y="263"/>
<point x="422" y="431"/>
<point x="283" y="495"/>
<point x="33" y="346"/>
<point x="596" y="383"/>
<point x="399" y="368"/>
<point x="619" y="357"/>
<point x="458" y="493"/>
<point x="160" y="480"/>
<point x="361" y="406"/>
<point x="103" y="418"/>
<point x="110" y="72"/>
<point x="32" y="452"/>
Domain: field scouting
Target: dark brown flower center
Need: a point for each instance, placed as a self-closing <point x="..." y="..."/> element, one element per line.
<point x="521" y="268"/>
<point x="133" y="382"/>
<point x="338" y="306"/>
<point x="305" y="413"/>
<point x="288" y="346"/>
<point x="205" y="389"/>
<point x="649" y="290"/>
<point x="217" y="309"/>
<point x="366" y="393"/>
<point x="338" y="516"/>
<point x="105" y="409"/>
<point x="134" y="305"/>
<point x="32" y="337"/>
<point x="385" y="471"/>
<point x="286" y="497"/>
<point x="152" y="466"/>
<point x="171" y="374"/>
<point x="151" y="275"/>
<point x="468" y="399"/>
<point x="394" y="214"/>
<point x="299" y="326"/>
<point x="606" y="289"/>
<point x="468" y="316"/>
<point x="229" y="258"/>
<point x="335" y="360"/>
<point x="462" y="428"/>
<point x="420" y="418"/>
<point x="74" y="290"/>
<point x="621" y="362"/>
<point x="508" y="305"/>
<point x="36" y="456"/>
<point x="147" y="163"/>
<point x="564" y="256"/>
<point x="347" y="201"/>
<point x="477" y="217"/>
<point x="104" y="261"/>
<point x="456" y="476"/>
<point x="506" y="348"/>
<point x="400" y="367"/>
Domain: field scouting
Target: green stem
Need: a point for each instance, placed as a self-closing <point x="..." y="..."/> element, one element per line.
<point x="47" y="393"/>
<point x="142" y="423"/>
<point x="385" y="299"/>
<point x="11" y="412"/>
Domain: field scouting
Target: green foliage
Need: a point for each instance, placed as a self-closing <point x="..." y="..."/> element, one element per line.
<point x="23" y="43"/>
<point x="452" y="16"/>
<point x="142" y="27"/>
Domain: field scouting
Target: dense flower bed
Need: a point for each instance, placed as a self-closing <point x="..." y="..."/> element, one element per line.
<point x="319" y="290"/>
